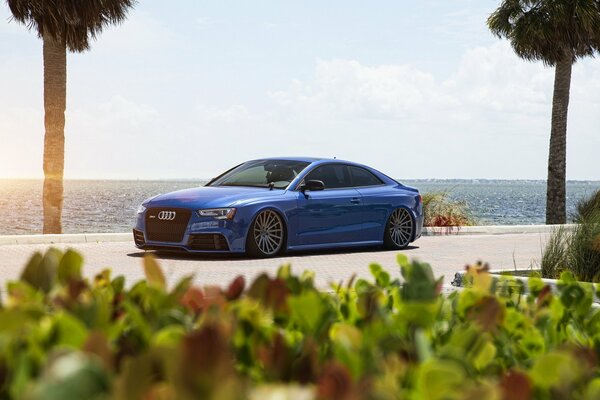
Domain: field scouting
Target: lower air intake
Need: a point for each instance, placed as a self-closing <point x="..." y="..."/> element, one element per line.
<point x="208" y="241"/>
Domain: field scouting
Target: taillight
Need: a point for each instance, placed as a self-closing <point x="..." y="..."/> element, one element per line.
<point x="420" y="199"/>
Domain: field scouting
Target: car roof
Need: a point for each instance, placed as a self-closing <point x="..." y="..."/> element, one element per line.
<point x="304" y="159"/>
<point x="316" y="160"/>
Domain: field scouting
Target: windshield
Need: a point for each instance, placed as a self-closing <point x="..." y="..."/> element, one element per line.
<point x="261" y="173"/>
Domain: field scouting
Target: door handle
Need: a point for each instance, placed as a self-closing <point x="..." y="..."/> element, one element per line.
<point x="355" y="200"/>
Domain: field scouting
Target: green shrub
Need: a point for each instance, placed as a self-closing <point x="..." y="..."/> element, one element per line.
<point x="588" y="209"/>
<point x="440" y="210"/>
<point x="554" y="257"/>
<point x="64" y="337"/>
<point x="578" y="249"/>
<point x="584" y="251"/>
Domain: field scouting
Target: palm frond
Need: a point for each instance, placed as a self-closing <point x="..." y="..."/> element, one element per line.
<point x="549" y="30"/>
<point x="75" y="22"/>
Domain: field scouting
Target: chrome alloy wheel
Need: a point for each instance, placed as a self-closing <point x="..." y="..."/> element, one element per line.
<point x="268" y="232"/>
<point x="401" y="227"/>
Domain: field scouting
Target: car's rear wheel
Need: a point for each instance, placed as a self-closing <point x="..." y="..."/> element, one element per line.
<point x="266" y="236"/>
<point x="399" y="230"/>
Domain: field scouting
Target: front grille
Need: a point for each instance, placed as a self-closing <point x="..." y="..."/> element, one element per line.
<point x="138" y="237"/>
<point x="208" y="241"/>
<point x="171" y="231"/>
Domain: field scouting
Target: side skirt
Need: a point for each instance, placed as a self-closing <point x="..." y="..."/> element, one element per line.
<point x="335" y="245"/>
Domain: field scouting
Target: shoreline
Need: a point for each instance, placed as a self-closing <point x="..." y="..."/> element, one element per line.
<point x="128" y="236"/>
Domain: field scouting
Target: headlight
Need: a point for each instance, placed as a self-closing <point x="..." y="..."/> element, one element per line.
<point x="141" y="209"/>
<point x="218" y="213"/>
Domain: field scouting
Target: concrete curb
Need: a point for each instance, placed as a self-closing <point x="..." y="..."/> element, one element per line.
<point x="66" y="238"/>
<point x="127" y="236"/>
<point x="491" y="229"/>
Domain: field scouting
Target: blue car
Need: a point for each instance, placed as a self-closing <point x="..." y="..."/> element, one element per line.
<point x="265" y="207"/>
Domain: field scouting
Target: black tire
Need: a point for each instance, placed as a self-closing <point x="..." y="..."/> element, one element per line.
<point x="399" y="230"/>
<point x="266" y="236"/>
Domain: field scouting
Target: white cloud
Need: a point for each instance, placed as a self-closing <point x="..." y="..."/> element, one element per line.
<point x="233" y="114"/>
<point x="489" y="81"/>
<point x="349" y="89"/>
<point x="489" y="118"/>
<point x="492" y="78"/>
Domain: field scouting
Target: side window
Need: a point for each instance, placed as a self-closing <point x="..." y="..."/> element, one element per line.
<point x="362" y="177"/>
<point x="334" y="176"/>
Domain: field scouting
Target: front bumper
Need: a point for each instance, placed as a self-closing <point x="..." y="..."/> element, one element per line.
<point x="202" y="235"/>
<point x="198" y="242"/>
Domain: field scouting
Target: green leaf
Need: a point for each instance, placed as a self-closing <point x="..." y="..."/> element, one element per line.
<point x="402" y="260"/>
<point x="69" y="330"/>
<point x="381" y="276"/>
<point x="346" y="335"/>
<point x="307" y="310"/>
<point x="72" y="376"/>
<point x="21" y="293"/>
<point x="284" y="271"/>
<point x="137" y="321"/>
<point x="308" y="278"/>
<point x="180" y="289"/>
<point x="423" y="345"/>
<point x="154" y="274"/>
<point x="362" y="286"/>
<point x="118" y="284"/>
<point x="69" y="268"/>
<point x="14" y="321"/>
<point x="40" y="271"/>
<point x="485" y="356"/>
<point x="437" y="378"/>
<point x="566" y="277"/>
<point x="554" y="369"/>
<point x="592" y="392"/>
<point x="419" y="282"/>
<point x="22" y="375"/>
<point x="535" y="285"/>
<point x="169" y="336"/>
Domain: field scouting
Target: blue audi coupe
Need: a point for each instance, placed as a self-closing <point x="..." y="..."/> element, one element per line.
<point x="265" y="207"/>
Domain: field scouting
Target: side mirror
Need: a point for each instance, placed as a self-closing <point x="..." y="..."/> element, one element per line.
<point x="312" y="185"/>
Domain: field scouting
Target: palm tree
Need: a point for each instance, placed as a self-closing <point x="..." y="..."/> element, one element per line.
<point x="557" y="32"/>
<point x="62" y="25"/>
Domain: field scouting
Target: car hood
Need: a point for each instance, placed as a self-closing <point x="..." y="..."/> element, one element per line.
<point x="212" y="196"/>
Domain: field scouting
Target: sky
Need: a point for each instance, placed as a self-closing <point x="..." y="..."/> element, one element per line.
<point x="187" y="89"/>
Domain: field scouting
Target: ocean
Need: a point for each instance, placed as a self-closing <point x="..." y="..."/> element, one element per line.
<point x="109" y="206"/>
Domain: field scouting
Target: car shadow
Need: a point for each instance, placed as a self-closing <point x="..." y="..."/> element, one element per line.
<point x="343" y="250"/>
<point x="177" y="255"/>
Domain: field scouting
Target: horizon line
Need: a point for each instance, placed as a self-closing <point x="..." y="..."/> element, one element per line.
<point x="207" y="179"/>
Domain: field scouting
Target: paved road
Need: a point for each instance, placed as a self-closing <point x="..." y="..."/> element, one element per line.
<point x="447" y="255"/>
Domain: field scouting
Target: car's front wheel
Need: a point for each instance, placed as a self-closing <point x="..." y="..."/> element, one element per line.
<point x="266" y="236"/>
<point x="399" y="230"/>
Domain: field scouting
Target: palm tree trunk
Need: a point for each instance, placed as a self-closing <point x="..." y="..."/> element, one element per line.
<point x="556" y="208"/>
<point x="55" y="95"/>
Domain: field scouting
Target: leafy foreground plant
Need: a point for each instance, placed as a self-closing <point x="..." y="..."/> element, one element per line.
<point x="63" y="337"/>
<point x="440" y="210"/>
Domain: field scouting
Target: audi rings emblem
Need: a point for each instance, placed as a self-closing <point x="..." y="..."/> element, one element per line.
<point x="167" y="215"/>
